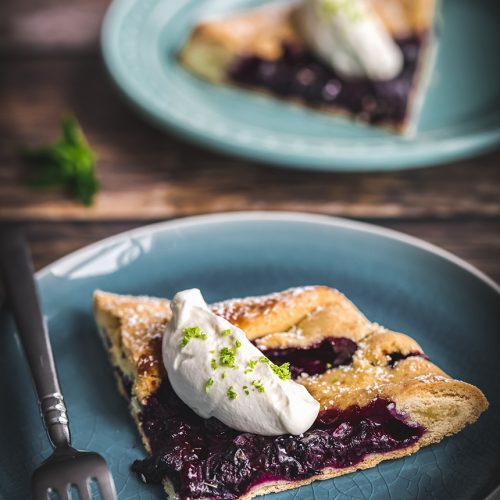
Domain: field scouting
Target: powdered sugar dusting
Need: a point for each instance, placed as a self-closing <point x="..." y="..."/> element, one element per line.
<point x="251" y="307"/>
<point x="143" y="319"/>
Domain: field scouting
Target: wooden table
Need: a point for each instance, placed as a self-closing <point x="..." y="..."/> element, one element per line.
<point x="50" y="63"/>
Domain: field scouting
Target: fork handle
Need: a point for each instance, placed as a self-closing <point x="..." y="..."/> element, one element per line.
<point x="16" y="269"/>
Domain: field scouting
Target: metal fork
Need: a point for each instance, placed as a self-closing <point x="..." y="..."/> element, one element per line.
<point x="66" y="467"/>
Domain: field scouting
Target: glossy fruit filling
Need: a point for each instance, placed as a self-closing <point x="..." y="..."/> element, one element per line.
<point x="316" y="358"/>
<point x="299" y="74"/>
<point x="205" y="458"/>
<point x="396" y="357"/>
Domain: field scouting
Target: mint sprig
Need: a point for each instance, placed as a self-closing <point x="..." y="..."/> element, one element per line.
<point x="69" y="163"/>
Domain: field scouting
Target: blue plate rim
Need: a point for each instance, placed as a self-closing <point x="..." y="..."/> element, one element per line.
<point x="442" y="151"/>
<point x="317" y="222"/>
<point x="277" y="216"/>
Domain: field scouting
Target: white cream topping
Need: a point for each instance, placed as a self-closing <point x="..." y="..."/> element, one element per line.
<point x="250" y="397"/>
<point x="350" y="37"/>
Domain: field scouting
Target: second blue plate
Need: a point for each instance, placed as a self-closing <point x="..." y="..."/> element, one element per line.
<point x="461" y="114"/>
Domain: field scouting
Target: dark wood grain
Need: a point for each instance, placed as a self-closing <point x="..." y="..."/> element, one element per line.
<point x="47" y="27"/>
<point x="50" y="64"/>
<point x="146" y="173"/>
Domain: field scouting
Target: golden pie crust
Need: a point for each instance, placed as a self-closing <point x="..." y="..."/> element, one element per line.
<point x="132" y="329"/>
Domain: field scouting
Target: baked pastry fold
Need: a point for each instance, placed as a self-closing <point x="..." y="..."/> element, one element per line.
<point x="379" y="394"/>
<point x="265" y="49"/>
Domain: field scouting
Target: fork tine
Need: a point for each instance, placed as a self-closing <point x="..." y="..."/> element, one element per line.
<point x="40" y="488"/>
<point x="63" y="492"/>
<point x="106" y="485"/>
<point x="84" y="490"/>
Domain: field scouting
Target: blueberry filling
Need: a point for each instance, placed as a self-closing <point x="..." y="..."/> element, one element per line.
<point x="395" y="357"/>
<point x="316" y="358"/>
<point x="298" y="74"/>
<point x="205" y="458"/>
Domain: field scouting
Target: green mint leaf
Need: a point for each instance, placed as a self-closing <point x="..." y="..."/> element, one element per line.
<point x="69" y="163"/>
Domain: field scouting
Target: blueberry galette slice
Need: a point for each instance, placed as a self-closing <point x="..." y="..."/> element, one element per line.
<point x="365" y="59"/>
<point x="380" y="396"/>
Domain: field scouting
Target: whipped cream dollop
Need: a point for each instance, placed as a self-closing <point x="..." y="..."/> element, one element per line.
<point x="350" y="37"/>
<point x="218" y="372"/>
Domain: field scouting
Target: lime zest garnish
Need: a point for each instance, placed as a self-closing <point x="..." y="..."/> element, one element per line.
<point x="332" y="8"/>
<point x="192" y="332"/>
<point x="258" y="385"/>
<point x="227" y="357"/>
<point x="282" y="371"/>
<point x="208" y="384"/>
<point x="213" y="364"/>
<point x="226" y="333"/>
<point x="251" y="365"/>
<point x="231" y="393"/>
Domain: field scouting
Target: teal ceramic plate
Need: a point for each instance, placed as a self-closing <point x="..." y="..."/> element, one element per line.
<point x="451" y="309"/>
<point x="461" y="113"/>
